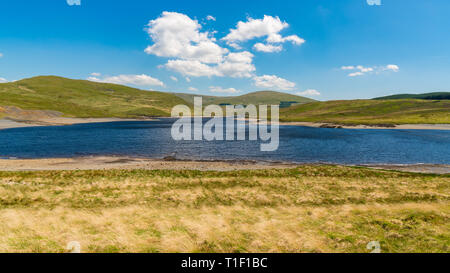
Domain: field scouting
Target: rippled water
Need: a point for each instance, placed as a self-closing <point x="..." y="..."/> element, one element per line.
<point x="297" y="144"/>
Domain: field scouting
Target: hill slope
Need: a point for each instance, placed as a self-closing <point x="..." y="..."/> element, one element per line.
<point x="371" y="112"/>
<point x="79" y="98"/>
<point x="257" y="98"/>
<point x="426" y="96"/>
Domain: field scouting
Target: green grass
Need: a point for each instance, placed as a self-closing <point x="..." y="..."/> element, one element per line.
<point x="79" y="98"/>
<point x="256" y="98"/>
<point x="426" y="96"/>
<point x="305" y="209"/>
<point x="353" y="112"/>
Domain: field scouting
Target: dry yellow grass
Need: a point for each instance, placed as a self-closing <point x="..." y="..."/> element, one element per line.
<point x="307" y="209"/>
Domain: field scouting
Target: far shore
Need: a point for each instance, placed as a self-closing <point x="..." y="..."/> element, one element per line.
<point x="7" y="123"/>
<point x="398" y="126"/>
<point x="127" y="163"/>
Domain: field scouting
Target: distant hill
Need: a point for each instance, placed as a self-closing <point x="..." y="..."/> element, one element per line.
<point x="80" y="98"/>
<point x="257" y="98"/>
<point x="354" y="112"/>
<point x="426" y="96"/>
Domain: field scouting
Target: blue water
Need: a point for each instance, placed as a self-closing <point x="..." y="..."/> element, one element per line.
<point x="297" y="144"/>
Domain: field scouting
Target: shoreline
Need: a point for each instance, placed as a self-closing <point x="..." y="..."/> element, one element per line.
<point x="130" y="163"/>
<point x="8" y="123"/>
<point x="393" y="127"/>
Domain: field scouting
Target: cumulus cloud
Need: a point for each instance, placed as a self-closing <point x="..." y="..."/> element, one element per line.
<point x="360" y="70"/>
<point x="210" y="18"/>
<point x="194" y="53"/>
<point x="3" y="80"/>
<point x="267" y="47"/>
<point x="309" y="92"/>
<point x="235" y="65"/>
<point x="138" y="80"/>
<point x="193" y="89"/>
<point x="191" y="68"/>
<point x="95" y="74"/>
<point x="74" y="2"/>
<point x="173" y="78"/>
<point x="188" y="79"/>
<point x="178" y="36"/>
<point x="273" y="82"/>
<point x="218" y="89"/>
<point x="268" y="27"/>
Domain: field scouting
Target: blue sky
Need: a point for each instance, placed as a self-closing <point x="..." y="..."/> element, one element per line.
<point x="342" y="49"/>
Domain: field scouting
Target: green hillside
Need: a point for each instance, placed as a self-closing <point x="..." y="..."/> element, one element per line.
<point x="426" y="96"/>
<point x="406" y="111"/>
<point x="79" y="98"/>
<point x="257" y="98"/>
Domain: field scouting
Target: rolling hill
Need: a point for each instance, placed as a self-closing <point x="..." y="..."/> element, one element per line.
<point x="257" y="98"/>
<point x="56" y="96"/>
<point x="371" y="112"/>
<point x="79" y="98"/>
<point x="426" y="96"/>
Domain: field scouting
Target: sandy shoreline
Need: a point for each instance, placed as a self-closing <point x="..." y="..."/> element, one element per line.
<point x="58" y="121"/>
<point x="116" y="162"/>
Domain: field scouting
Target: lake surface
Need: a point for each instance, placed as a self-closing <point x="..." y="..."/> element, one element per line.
<point x="297" y="144"/>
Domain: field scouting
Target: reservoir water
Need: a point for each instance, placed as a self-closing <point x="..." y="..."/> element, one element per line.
<point x="153" y="139"/>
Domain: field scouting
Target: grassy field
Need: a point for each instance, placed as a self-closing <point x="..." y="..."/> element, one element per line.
<point x="354" y="112"/>
<point x="79" y="98"/>
<point x="306" y="209"/>
<point x="426" y="96"/>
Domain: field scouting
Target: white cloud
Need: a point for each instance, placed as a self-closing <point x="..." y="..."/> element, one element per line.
<point x="360" y="70"/>
<point x="3" y="80"/>
<point x="364" y="69"/>
<point x="309" y="92"/>
<point x="355" y="74"/>
<point x="178" y="36"/>
<point x="268" y="27"/>
<point x="210" y="18"/>
<point x="188" y="79"/>
<point x="350" y="67"/>
<point x="235" y="46"/>
<point x="138" y="80"/>
<point x="1" y="55"/>
<point x="191" y="68"/>
<point x="235" y="65"/>
<point x="392" y="67"/>
<point x="273" y="82"/>
<point x="95" y="74"/>
<point x="267" y="48"/>
<point x="193" y="89"/>
<point x="195" y="53"/>
<point x="173" y="78"/>
<point x="74" y="2"/>
<point x="218" y="89"/>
